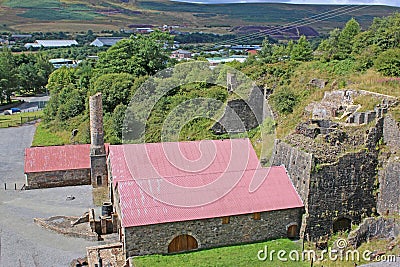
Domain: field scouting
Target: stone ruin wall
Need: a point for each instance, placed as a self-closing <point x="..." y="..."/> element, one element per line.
<point x="343" y="189"/>
<point x="380" y="227"/>
<point x="241" y="115"/>
<point x="389" y="174"/>
<point x="298" y="164"/>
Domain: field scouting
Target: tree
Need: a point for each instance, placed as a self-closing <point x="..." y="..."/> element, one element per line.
<point x="8" y="81"/>
<point x="388" y="62"/>
<point x="139" y="55"/>
<point x="329" y="47"/>
<point x="265" y="54"/>
<point x="302" y="50"/>
<point x="346" y="38"/>
<point x="116" y="89"/>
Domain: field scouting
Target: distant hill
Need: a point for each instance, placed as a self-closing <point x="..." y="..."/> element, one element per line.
<point x="97" y="15"/>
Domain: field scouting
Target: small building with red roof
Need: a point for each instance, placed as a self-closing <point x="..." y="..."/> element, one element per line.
<point x="180" y="196"/>
<point x="56" y="166"/>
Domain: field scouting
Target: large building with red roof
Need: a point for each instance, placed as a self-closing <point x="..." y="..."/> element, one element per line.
<point x="180" y="196"/>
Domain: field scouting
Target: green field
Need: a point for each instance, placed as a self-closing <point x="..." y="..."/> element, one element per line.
<point x="245" y="255"/>
<point x="19" y="118"/>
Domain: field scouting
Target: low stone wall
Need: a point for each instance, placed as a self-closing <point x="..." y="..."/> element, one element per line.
<point x="381" y="227"/>
<point x="62" y="225"/>
<point x="209" y="233"/>
<point x="57" y="178"/>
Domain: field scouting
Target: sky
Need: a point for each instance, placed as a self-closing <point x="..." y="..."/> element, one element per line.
<point x="321" y="2"/>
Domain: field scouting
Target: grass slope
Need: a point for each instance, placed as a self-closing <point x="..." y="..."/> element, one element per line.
<point x="245" y="255"/>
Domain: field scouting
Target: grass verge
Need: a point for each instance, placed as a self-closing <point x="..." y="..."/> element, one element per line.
<point x="244" y="255"/>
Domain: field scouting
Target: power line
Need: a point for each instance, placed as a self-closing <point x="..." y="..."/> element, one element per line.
<point x="307" y="21"/>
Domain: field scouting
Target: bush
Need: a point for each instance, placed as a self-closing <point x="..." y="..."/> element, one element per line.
<point x="284" y="101"/>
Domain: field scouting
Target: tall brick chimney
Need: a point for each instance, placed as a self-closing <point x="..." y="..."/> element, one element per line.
<point x="98" y="156"/>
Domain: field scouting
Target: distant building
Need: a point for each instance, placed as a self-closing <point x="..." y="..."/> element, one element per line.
<point x="181" y="54"/>
<point x="63" y="62"/>
<point x="106" y="41"/>
<point x="144" y="30"/>
<point x="51" y="43"/>
<point x="214" y="61"/>
<point x="21" y="36"/>
<point x="245" y="47"/>
<point x="252" y="52"/>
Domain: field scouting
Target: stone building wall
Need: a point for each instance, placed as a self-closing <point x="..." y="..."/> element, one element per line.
<point x="299" y="165"/>
<point x="154" y="239"/>
<point x="58" y="178"/>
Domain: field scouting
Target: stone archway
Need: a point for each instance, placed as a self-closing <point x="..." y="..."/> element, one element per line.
<point x="182" y="243"/>
<point x="341" y="225"/>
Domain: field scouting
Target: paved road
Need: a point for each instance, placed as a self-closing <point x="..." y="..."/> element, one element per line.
<point x="23" y="243"/>
<point x="384" y="264"/>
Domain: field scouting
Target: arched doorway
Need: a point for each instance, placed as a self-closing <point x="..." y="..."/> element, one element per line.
<point x="182" y="243"/>
<point x="292" y="231"/>
<point x="342" y="225"/>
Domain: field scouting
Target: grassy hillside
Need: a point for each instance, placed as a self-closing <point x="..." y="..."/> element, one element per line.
<point x="78" y="15"/>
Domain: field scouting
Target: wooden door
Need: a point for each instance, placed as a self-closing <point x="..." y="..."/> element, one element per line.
<point x="292" y="231"/>
<point x="182" y="243"/>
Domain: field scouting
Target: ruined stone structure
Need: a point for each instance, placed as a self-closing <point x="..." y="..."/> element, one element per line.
<point x="231" y="82"/>
<point x="241" y="115"/>
<point x="98" y="156"/>
<point x="381" y="227"/>
<point x="335" y="194"/>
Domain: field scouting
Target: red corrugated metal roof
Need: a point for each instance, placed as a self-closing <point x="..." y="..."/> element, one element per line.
<point x="168" y="182"/>
<point x="53" y="158"/>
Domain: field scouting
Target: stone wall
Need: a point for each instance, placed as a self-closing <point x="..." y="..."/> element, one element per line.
<point x="389" y="184"/>
<point x="344" y="189"/>
<point x="391" y="133"/>
<point x="299" y="165"/>
<point x="57" y="178"/>
<point x="209" y="233"/>
<point x="389" y="175"/>
<point x="381" y="227"/>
